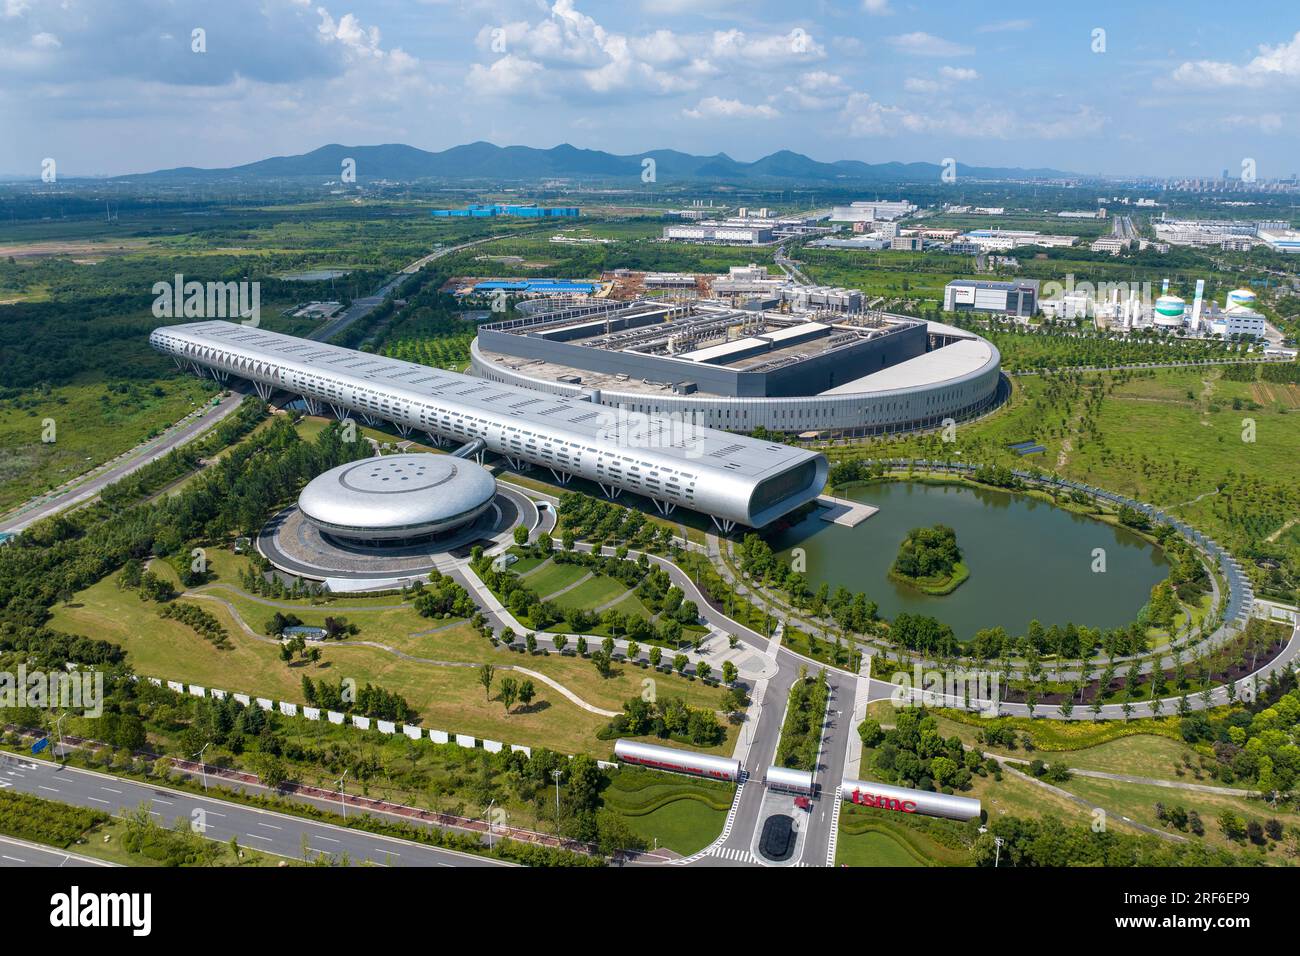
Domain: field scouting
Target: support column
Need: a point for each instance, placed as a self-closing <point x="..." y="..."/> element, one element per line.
<point x="726" y="525"/>
<point x="263" y="391"/>
<point x="561" y="477"/>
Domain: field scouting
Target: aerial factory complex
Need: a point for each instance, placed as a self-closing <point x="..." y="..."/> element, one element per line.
<point x="812" y="361"/>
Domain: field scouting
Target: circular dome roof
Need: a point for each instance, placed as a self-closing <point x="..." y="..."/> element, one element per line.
<point x="397" y="496"/>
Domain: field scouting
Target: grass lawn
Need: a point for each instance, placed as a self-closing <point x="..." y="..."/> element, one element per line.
<point x="872" y="847"/>
<point x="554" y="576"/>
<point x="447" y="698"/>
<point x="1138" y="801"/>
<point x="869" y="837"/>
<point x="92" y="424"/>
<point x="670" y="811"/>
<point x="592" y="593"/>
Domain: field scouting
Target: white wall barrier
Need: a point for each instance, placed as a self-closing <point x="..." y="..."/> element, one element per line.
<point x="492" y="746"/>
<point x="265" y="704"/>
<point x="334" y="716"/>
<point x="361" y="723"/>
<point x="438" y="736"/>
<point x="197" y="691"/>
<point x="288" y="709"/>
<point x="465" y="740"/>
<point x="311" y="713"/>
<point x="520" y="748"/>
<point x="606" y="765"/>
<point x="415" y="733"/>
<point x="155" y="681"/>
<point x="243" y="699"/>
<point x="386" y="726"/>
<point x="218" y="694"/>
<point x="176" y="686"/>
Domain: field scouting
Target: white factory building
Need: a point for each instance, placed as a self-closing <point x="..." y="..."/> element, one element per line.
<point x="863" y="211"/>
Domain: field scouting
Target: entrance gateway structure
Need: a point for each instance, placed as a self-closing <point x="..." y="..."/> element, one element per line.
<point x="734" y="479"/>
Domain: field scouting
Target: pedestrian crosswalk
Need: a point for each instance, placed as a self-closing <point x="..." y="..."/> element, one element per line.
<point x="733" y="854"/>
<point x="835" y="833"/>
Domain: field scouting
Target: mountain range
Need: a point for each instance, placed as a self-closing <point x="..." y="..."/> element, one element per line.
<point x="485" y="162"/>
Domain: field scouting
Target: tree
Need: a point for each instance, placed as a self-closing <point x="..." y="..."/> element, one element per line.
<point x="633" y="650"/>
<point x="656" y="656"/>
<point x="603" y="662"/>
<point x="521" y="535"/>
<point x="679" y="663"/>
<point x="560" y="641"/>
<point x="703" y="670"/>
<point x="526" y="693"/>
<point x="509" y="692"/>
<point x="486" y="673"/>
<point x="729" y="672"/>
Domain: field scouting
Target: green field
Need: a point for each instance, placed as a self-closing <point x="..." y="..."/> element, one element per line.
<point x="678" y="813"/>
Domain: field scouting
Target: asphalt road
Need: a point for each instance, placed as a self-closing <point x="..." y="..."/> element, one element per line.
<point x="265" y="830"/>
<point x="131" y="461"/>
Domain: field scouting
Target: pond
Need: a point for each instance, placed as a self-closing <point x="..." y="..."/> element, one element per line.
<point x="1028" y="559"/>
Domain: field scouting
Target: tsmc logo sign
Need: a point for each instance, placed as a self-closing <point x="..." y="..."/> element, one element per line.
<point x="883" y="803"/>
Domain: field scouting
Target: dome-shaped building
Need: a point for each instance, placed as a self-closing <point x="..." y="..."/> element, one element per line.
<point x="397" y="498"/>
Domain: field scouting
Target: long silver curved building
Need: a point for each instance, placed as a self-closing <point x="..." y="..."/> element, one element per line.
<point x="732" y="478"/>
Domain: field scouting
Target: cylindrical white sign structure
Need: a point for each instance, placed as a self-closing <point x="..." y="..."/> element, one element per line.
<point x="679" y="761"/>
<point x="784" y="778"/>
<point x="868" y="793"/>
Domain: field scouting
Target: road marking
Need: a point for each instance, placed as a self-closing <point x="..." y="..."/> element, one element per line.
<point x="256" y="836"/>
<point x="111" y="790"/>
<point x="43" y="787"/>
<point x="97" y="800"/>
<point x="161" y="800"/>
<point x="269" y="826"/>
<point x="328" y="839"/>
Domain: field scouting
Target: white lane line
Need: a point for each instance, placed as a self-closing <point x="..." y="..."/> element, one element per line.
<point x="43" y="787"/>
<point x="16" y="859"/>
<point x="214" y="813"/>
<point x="257" y="836"/>
<point x="269" y="826"/>
<point x="111" y="790"/>
<point x="327" y="839"/>
<point x="161" y="800"/>
<point x="97" y="800"/>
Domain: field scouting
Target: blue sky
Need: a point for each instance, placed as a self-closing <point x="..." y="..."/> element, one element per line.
<point x="1171" y="88"/>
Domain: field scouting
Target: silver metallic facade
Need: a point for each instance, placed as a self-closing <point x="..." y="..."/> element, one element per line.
<point x="397" y="497"/>
<point x="882" y="796"/>
<point x="678" y="761"/>
<point x="734" y="479"/>
<point x="786" y="778"/>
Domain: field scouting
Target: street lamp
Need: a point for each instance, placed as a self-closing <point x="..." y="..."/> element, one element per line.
<point x="557" y="774"/>
<point x="489" y="822"/>
<point x="58" y="730"/>
<point x="997" y="842"/>
<point x="342" y="797"/>
<point x="203" y="768"/>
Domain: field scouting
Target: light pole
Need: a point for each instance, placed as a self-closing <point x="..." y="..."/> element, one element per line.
<point x="489" y="822"/>
<point x="342" y="796"/>
<point x="557" y="774"/>
<point x="997" y="855"/>
<point x="203" y="768"/>
<point x="58" y="730"/>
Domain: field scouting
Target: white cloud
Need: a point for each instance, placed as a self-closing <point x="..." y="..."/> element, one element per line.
<point x="46" y="41"/>
<point x="1005" y="26"/>
<point x="716" y="107"/>
<point x="958" y="74"/>
<point x="796" y="46"/>
<point x="927" y="44"/>
<point x="877" y="8"/>
<point x="1264" y="122"/>
<point x="865" y="116"/>
<point x="1274" y="64"/>
<point x="816" y="90"/>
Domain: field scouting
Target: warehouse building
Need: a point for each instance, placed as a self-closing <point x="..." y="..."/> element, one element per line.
<point x="1019" y="298"/>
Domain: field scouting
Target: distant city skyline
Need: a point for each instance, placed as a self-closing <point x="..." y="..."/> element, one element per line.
<point x="109" y="87"/>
